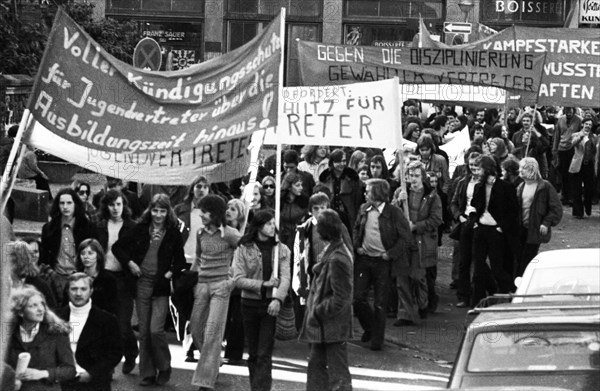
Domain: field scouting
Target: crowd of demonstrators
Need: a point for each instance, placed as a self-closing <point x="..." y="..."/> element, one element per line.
<point x="349" y="223"/>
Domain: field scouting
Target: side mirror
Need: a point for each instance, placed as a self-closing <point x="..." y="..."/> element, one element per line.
<point x="518" y="281"/>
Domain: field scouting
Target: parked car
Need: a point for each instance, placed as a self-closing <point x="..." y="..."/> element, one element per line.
<point x="557" y="272"/>
<point x="531" y="344"/>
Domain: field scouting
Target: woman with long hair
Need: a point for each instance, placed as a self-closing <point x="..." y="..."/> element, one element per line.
<point x="234" y="328"/>
<point x="294" y="207"/>
<point x="153" y="253"/>
<point x="84" y="191"/>
<point x="268" y="185"/>
<point x="357" y="159"/>
<point x="315" y="160"/>
<point x="91" y="260"/>
<point x="539" y="210"/>
<point x="253" y="272"/>
<point x="42" y="334"/>
<point x="114" y="222"/>
<point x="25" y="270"/>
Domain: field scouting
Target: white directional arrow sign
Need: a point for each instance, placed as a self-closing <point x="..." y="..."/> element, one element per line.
<point x="457" y="27"/>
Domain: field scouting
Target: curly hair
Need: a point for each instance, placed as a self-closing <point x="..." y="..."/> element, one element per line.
<point x="22" y="260"/>
<point x="20" y="298"/>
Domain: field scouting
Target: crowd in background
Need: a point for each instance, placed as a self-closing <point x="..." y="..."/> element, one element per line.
<point x="351" y="222"/>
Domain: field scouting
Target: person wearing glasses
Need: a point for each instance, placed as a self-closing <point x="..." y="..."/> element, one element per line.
<point x="268" y="184"/>
<point x="84" y="190"/>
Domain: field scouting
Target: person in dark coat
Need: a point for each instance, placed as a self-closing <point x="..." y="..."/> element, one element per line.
<point x="495" y="231"/>
<point x="416" y="284"/>
<point x="344" y="186"/>
<point x="95" y="337"/>
<point x="539" y="210"/>
<point x="42" y="334"/>
<point x="153" y="252"/>
<point x="381" y="233"/>
<point x="67" y="228"/>
<point x="91" y="261"/>
<point x="327" y="324"/>
<point x="115" y="222"/>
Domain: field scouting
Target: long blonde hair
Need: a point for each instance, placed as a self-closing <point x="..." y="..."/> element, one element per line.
<point x="19" y="299"/>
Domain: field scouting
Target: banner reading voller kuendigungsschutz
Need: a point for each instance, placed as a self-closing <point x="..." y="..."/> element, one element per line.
<point x="153" y="127"/>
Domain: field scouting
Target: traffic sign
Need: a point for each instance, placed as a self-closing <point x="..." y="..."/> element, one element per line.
<point x="457" y="27"/>
<point x="147" y="55"/>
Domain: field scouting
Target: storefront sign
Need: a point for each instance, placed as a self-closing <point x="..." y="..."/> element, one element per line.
<point x="589" y="11"/>
<point x="165" y="128"/>
<point x="165" y="35"/>
<point x="396" y="44"/>
<point x="545" y="11"/>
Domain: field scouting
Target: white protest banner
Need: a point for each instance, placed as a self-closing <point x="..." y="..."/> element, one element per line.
<point x="360" y="114"/>
<point x="456" y="148"/>
<point x="153" y="127"/>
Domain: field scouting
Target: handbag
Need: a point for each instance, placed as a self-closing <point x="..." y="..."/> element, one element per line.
<point x="285" y="326"/>
<point x="455" y="233"/>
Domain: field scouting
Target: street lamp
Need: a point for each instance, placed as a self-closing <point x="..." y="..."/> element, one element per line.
<point x="466" y="6"/>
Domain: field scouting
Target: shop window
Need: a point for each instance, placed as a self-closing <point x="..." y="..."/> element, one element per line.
<point x="394" y="8"/>
<point x="120" y="6"/>
<point x="299" y="8"/>
<point x="241" y="32"/>
<point x="377" y="35"/>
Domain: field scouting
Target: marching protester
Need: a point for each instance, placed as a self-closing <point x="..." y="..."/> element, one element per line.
<point x="381" y="233"/>
<point x="152" y="252"/>
<point x="91" y="261"/>
<point x="344" y="186"/>
<point x="464" y="213"/>
<point x="38" y="331"/>
<point x="114" y="223"/>
<point x="539" y="211"/>
<point x="581" y="169"/>
<point x="315" y="160"/>
<point x="95" y="340"/>
<point x="254" y="273"/>
<point x="308" y="248"/>
<point x="67" y="228"/>
<point x="26" y="272"/>
<point x="268" y="185"/>
<point x="562" y="150"/>
<point x="234" y="329"/>
<point x="84" y="191"/>
<point x="416" y="283"/>
<point x="216" y="242"/>
<point x="327" y="324"/>
<point x="494" y="231"/>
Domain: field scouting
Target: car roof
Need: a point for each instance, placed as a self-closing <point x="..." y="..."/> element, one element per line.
<point x="567" y="257"/>
<point x="537" y="313"/>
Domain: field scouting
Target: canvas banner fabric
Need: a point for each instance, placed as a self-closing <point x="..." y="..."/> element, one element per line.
<point x="361" y="114"/>
<point x="153" y="127"/>
<point x="324" y="64"/>
<point x="571" y="70"/>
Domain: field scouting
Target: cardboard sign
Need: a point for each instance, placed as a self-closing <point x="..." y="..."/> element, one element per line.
<point x="153" y="127"/>
<point x="365" y="114"/>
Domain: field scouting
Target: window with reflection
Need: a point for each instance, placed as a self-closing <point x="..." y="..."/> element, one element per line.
<point x="178" y="6"/>
<point x="394" y="8"/>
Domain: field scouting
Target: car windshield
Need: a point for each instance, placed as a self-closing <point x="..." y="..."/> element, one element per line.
<point x="578" y="279"/>
<point x="522" y="350"/>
